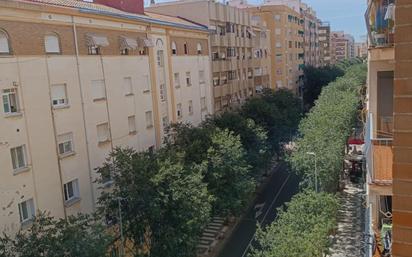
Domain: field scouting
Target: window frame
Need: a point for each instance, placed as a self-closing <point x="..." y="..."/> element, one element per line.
<point x="63" y="143"/>
<point x="66" y="99"/>
<point x="4" y="32"/>
<point x="15" y="158"/>
<point x="52" y="34"/>
<point x="174" y="48"/>
<point x="10" y="91"/>
<point x="30" y="210"/>
<point x="75" y="191"/>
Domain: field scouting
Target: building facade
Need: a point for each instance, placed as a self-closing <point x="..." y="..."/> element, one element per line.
<point x="389" y="126"/>
<point x="325" y="53"/>
<point x="77" y="80"/>
<point x="311" y="37"/>
<point x="237" y="48"/>
<point x="287" y="44"/>
<point x="361" y="50"/>
<point x="343" y="46"/>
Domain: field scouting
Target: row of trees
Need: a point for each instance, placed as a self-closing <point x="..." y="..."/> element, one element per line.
<point x="318" y="77"/>
<point x="302" y="228"/>
<point x="167" y="197"/>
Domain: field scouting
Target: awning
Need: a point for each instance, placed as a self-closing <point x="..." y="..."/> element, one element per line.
<point x="128" y="43"/>
<point x="96" y="40"/>
<point x="146" y="42"/>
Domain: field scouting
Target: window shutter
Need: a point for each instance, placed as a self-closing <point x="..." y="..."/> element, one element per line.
<point x="98" y="90"/>
<point x="58" y="92"/>
<point x="4" y="43"/>
<point x="51" y="44"/>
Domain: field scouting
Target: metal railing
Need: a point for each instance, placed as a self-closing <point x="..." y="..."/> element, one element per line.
<point x="380" y="22"/>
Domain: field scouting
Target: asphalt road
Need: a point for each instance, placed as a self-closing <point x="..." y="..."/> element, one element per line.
<point x="280" y="189"/>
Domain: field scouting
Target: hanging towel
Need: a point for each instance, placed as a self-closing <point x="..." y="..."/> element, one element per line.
<point x="390" y="12"/>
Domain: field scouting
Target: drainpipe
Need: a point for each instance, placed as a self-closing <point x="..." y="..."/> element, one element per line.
<point x="83" y="114"/>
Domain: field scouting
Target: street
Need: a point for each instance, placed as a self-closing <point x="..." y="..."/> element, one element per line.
<point x="281" y="187"/>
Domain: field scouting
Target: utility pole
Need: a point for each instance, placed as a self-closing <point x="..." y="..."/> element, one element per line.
<point x="316" y="171"/>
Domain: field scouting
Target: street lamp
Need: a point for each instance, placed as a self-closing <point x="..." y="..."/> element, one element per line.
<point x="316" y="172"/>
<point x="119" y="199"/>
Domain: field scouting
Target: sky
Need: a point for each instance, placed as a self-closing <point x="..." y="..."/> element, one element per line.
<point x="347" y="15"/>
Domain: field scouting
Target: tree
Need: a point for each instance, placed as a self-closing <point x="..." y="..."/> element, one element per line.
<point x="277" y="112"/>
<point x="252" y="136"/>
<point x="166" y="204"/>
<point x="227" y="173"/>
<point x="301" y="228"/>
<point x="326" y="128"/>
<point x="80" y="235"/>
<point x="315" y="79"/>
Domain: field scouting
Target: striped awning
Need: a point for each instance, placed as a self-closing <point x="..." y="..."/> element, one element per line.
<point x="128" y="43"/>
<point x="96" y="40"/>
<point x="145" y="42"/>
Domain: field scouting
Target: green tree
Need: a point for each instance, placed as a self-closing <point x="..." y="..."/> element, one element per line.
<point x="166" y="204"/>
<point x="80" y="235"/>
<point x="315" y="79"/>
<point x="227" y="173"/>
<point x="301" y="227"/>
<point x="252" y="136"/>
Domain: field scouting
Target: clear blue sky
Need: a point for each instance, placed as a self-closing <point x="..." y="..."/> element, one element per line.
<point x="347" y="15"/>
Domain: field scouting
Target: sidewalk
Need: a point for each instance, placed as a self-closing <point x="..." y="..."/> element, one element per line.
<point x="348" y="239"/>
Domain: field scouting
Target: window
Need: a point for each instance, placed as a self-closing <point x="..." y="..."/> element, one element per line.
<point x="179" y="111"/>
<point x="278" y="45"/>
<point x="71" y="190"/>
<point x="149" y="119"/>
<point x="190" y="107"/>
<point x="98" y="89"/>
<point x="163" y="96"/>
<point x="18" y="157"/>
<point x="203" y="103"/>
<point x="103" y="134"/>
<point x="160" y="58"/>
<point x="26" y="210"/>
<point x="124" y="51"/>
<point x="290" y="44"/>
<point x="127" y="86"/>
<point x="174" y="48"/>
<point x="186" y="50"/>
<point x="132" y="124"/>
<point x="277" y="17"/>
<point x="65" y="143"/>
<point x="199" y="48"/>
<point x="165" y="121"/>
<point x="93" y="50"/>
<point x="51" y="44"/>
<point x="146" y="84"/>
<point x="10" y="101"/>
<point x="188" y="79"/>
<point x="176" y="78"/>
<point x="59" y="95"/>
<point x="4" y="43"/>
<point x="201" y="77"/>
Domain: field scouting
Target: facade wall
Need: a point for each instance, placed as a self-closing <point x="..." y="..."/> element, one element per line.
<point x="287" y="50"/>
<point x="132" y="88"/>
<point x="325" y="44"/>
<point x="402" y="144"/>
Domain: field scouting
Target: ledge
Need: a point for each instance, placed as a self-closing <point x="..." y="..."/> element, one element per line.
<point x="99" y="99"/>
<point x="72" y="202"/>
<point x="59" y="107"/>
<point x="21" y="170"/>
<point x="132" y="133"/>
<point x="65" y="155"/>
<point x="13" y="115"/>
<point x="129" y="94"/>
<point x="101" y="143"/>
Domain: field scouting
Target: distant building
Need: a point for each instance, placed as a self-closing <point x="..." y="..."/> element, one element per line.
<point x="325" y="48"/>
<point x="361" y="50"/>
<point x="343" y="46"/>
<point x="239" y="48"/>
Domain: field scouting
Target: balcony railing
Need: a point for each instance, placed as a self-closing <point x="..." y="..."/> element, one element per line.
<point x="379" y="155"/>
<point x="380" y="22"/>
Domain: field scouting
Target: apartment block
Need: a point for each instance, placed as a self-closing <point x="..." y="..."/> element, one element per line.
<point x="325" y="53"/>
<point x="238" y="48"/>
<point x="361" y="50"/>
<point x="287" y="44"/>
<point x="343" y="46"/>
<point x="389" y="127"/>
<point x="78" y="79"/>
<point x="311" y="37"/>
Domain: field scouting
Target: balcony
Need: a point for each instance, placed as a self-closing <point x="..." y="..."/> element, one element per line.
<point x="379" y="151"/>
<point x="380" y="22"/>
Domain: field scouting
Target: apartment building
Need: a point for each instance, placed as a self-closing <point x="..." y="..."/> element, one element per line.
<point x="237" y="48"/>
<point x="389" y="126"/>
<point x="77" y="80"/>
<point x="311" y="37"/>
<point x="343" y="46"/>
<point x="325" y="53"/>
<point x="287" y="44"/>
<point x="361" y="49"/>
